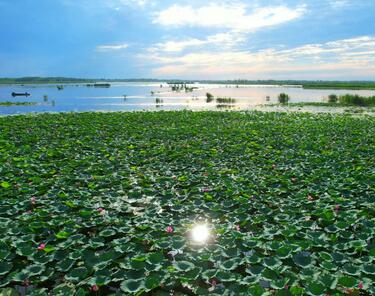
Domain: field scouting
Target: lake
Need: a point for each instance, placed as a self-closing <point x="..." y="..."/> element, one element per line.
<point x="79" y="97"/>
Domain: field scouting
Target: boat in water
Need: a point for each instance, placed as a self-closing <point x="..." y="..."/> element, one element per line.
<point x="14" y="94"/>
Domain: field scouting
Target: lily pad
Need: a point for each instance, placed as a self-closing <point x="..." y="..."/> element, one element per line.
<point x="5" y="267"/>
<point x="132" y="286"/>
<point x="184" y="266"/>
<point x="316" y="289"/>
<point x="302" y="260"/>
<point x="347" y="281"/>
<point x="230" y="264"/>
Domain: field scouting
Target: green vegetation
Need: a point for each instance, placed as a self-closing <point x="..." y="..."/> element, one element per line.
<point x="356" y="100"/>
<point x="95" y="203"/>
<point x="283" y="98"/>
<point x="332" y="98"/>
<point x="159" y="102"/>
<point x="43" y="80"/>
<point x="333" y="101"/>
<point x="339" y="85"/>
<point x="225" y="106"/>
<point x="7" y="104"/>
<point x="221" y="102"/>
<point x="307" y="104"/>
<point x="209" y="97"/>
<point x="179" y="87"/>
<point x="225" y="100"/>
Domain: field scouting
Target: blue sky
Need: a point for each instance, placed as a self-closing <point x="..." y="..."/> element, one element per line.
<point x="275" y="39"/>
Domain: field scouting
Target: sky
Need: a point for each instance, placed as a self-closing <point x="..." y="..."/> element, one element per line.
<point x="274" y="39"/>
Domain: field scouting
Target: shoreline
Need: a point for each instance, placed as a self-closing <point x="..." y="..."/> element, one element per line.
<point x="275" y="108"/>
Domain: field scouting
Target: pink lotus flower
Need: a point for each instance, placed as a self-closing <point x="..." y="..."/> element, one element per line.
<point x="337" y="208"/>
<point x="310" y="197"/>
<point x="360" y="285"/>
<point x="286" y="287"/>
<point x="169" y="229"/>
<point x="101" y="211"/>
<point x="206" y="189"/>
<point x="33" y="200"/>
<point x="274" y="166"/>
<point x="29" y="212"/>
<point x="213" y="285"/>
<point x="237" y="227"/>
<point x="294" y="179"/>
<point x="41" y="247"/>
<point x="94" y="288"/>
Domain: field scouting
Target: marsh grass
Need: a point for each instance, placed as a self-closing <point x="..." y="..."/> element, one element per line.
<point x="209" y="97"/>
<point x="225" y="100"/>
<point x="356" y="100"/>
<point x="283" y="98"/>
<point x="8" y="104"/>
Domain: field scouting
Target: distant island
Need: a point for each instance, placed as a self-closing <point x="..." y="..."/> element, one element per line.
<point x="307" y="84"/>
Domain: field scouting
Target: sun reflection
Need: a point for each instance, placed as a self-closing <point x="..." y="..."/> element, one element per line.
<point x="200" y="233"/>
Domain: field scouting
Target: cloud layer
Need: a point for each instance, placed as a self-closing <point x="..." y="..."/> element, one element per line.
<point x="224" y="40"/>
<point x="113" y="47"/>
<point x="233" y="16"/>
<point x="355" y="54"/>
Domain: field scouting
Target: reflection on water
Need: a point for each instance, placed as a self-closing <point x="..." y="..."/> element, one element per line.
<point x="200" y="234"/>
<point x="151" y="96"/>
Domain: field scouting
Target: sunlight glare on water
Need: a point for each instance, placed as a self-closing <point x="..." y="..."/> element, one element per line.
<point x="200" y="233"/>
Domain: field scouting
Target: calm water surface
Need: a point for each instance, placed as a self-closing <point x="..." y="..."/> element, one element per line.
<point x="79" y="97"/>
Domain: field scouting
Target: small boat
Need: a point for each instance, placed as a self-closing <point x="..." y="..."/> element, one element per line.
<point x="60" y="87"/>
<point x="14" y="94"/>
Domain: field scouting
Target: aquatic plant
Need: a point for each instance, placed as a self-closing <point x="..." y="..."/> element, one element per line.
<point x="225" y="100"/>
<point x="283" y="98"/>
<point x="332" y="98"/>
<point x="357" y="100"/>
<point x="159" y="101"/>
<point x="7" y="104"/>
<point x="100" y="204"/>
<point x="209" y="97"/>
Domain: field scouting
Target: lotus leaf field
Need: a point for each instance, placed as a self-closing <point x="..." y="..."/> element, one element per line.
<point x="104" y="203"/>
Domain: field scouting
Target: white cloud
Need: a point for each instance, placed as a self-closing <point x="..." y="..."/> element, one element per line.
<point x="112" y="47"/>
<point x="233" y="16"/>
<point x="139" y="3"/>
<point x="340" y="47"/>
<point x="354" y="56"/>
<point x="176" y="46"/>
<point x="225" y="40"/>
<point x="338" y="3"/>
<point x="112" y="4"/>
